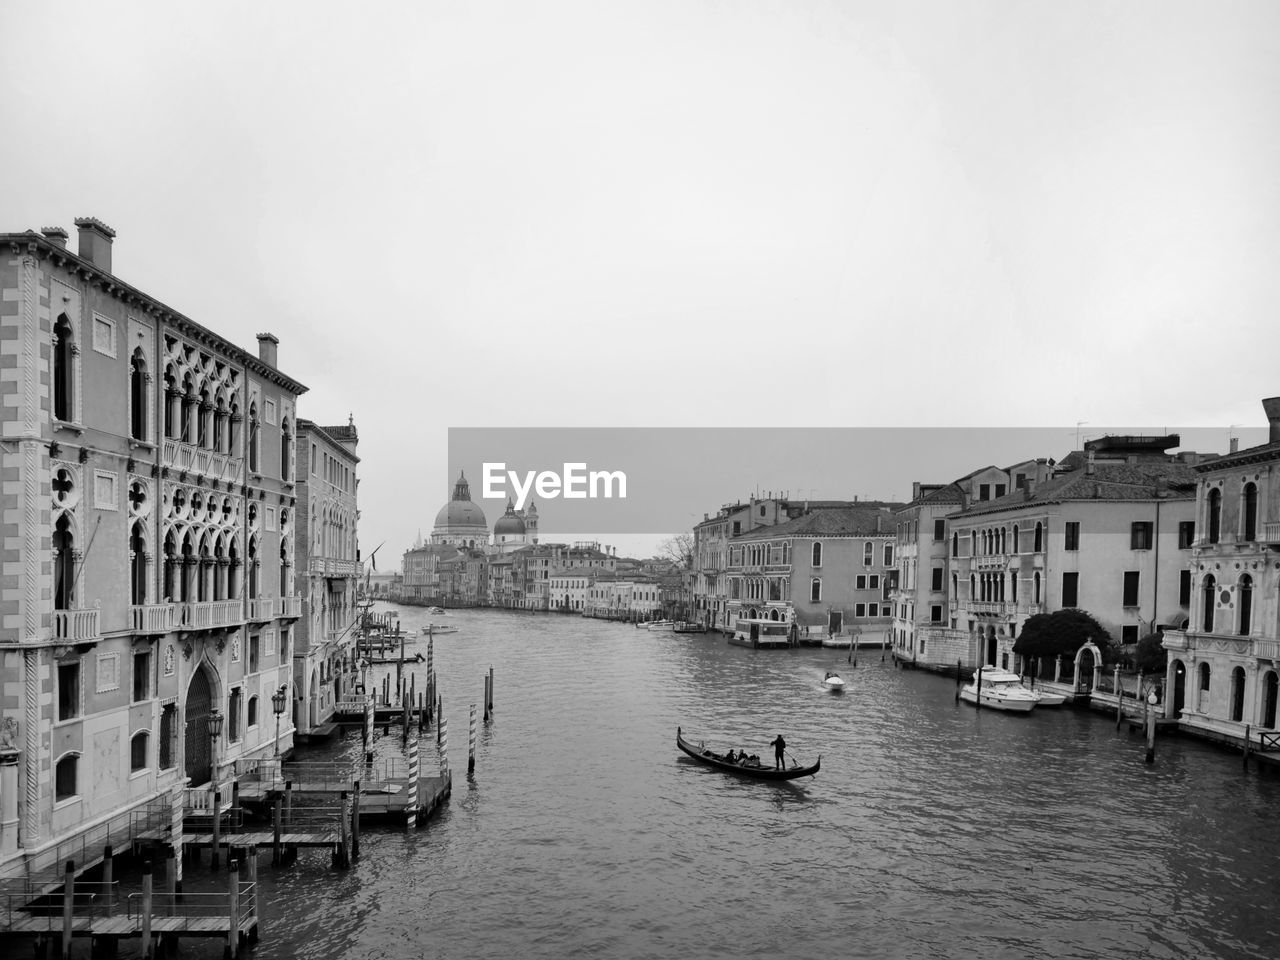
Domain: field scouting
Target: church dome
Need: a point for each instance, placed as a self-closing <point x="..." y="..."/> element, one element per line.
<point x="509" y="524"/>
<point x="460" y="515"/>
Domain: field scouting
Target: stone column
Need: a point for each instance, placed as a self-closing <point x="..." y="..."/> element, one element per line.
<point x="8" y="786"/>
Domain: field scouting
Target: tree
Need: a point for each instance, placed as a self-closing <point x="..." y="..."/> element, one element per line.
<point x="1151" y="656"/>
<point x="1061" y="632"/>
<point x="678" y="549"/>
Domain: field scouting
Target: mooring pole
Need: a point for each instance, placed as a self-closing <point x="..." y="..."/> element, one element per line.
<point x="957" y="680"/>
<point x="68" y="905"/>
<point x="147" y="945"/>
<point x="1151" y="727"/>
<point x="471" y="743"/>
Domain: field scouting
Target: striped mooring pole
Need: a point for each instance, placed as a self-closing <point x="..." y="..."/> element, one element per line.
<point x="471" y="743"/>
<point x="411" y="812"/>
<point x="442" y="729"/>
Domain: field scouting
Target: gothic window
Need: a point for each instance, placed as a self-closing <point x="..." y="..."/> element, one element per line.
<point x="1215" y="515"/>
<point x="138" y="565"/>
<point x="286" y="449"/>
<point x="253" y="438"/>
<point x="1237" y="694"/>
<point x="815" y="589"/>
<point x="64" y="567"/>
<point x="138" y="396"/>
<point x="1246" y="604"/>
<point x="63" y="375"/>
<point x="1250" y="512"/>
<point x="817" y="555"/>
<point x="1207" y="595"/>
<point x="1037" y="543"/>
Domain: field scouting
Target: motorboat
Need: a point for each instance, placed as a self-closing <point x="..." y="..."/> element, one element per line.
<point x="998" y="689"/>
<point x="1047" y="698"/>
<point x="690" y="626"/>
<point x="833" y="682"/>
<point x="437" y="612"/>
<point x="436" y="629"/>
<point x="666" y="625"/>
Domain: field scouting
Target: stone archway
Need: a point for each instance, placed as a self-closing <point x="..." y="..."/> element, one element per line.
<point x="1178" y="680"/>
<point x="1087" y="682"/>
<point x="201" y="697"/>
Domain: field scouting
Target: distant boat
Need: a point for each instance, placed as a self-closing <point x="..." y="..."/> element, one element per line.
<point x="435" y="629"/>
<point x="667" y="625"/>
<point x="833" y="682"/>
<point x="437" y="611"/>
<point x="690" y="626"/>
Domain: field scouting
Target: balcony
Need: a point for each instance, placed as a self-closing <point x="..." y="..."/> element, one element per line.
<point x="74" y="626"/>
<point x="1270" y="533"/>
<point x="154" y="617"/>
<point x="260" y="609"/>
<point x="289" y="607"/>
<point x="215" y="466"/>
<point x="997" y="561"/>
<point x="210" y="614"/>
<point x="1265" y="649"/>
<point x="1175" y="640"/>
<point x="332" y="567"/>
<point x="987" y="606"/>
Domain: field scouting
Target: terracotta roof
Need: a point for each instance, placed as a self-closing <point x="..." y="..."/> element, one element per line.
<point x="1265" y="451"/>
<point x="1109" y="481"/>
<point x="847" y="522"/>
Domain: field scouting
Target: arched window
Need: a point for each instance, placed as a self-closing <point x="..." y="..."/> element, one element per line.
<point x="170" y="566"/>
<point x="1246" y="604"/>
<point x="1237" y="694"/>
<point x="1038" y="538"/>
<point x="817" y="554"/>
<point x="170" y="403"/>
<point x="1035" y="587"/>
<point x="1013" y="586"/>
<point x="204" y="415"/>
<point x="1214" y="507"/>
<point x="286" y="450"/>
<point x="284" y="567"/>
<point x="1250" y="511"/>
<point x="65" y="777"/>
<point x="973" y="587"/>
<point x="139" y="748"/>
<point x="1017" y="540"/>
<point x="868" y="553"/>
<point x="1208" y="596"/>
<point x="955" y="544"/>
<point x="253" y="569"/>
<point x="137" y="565"/>
<point x="64" y="565"/>
<point x="188" y="410"/>
<point x="815" y="590"/>
<point x="63" y="376"/>
<point x="138" y="396"/>
<point x="253" y="438"/>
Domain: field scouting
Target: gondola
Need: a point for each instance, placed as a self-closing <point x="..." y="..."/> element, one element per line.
<point x="756" y="771"/>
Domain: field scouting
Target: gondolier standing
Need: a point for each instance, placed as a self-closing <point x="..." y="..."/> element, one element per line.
<point x="779" y="746"/>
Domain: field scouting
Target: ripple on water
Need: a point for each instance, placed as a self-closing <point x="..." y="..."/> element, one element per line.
<point x="932" y="829"/>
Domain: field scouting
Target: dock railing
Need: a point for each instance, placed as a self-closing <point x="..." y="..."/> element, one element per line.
<point x="46" y="914"/>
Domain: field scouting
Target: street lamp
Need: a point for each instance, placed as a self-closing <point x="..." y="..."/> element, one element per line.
<point x="277" y="704"/>
<point x="215" y="733"/>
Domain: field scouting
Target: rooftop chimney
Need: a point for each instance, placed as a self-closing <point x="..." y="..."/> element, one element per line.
<point x="915" y="490"/>
<point x="267" y="344"/>
<point x="1088" y="465"/>
<point x="95" y="242"/>
<point x="1029" y="488"/>
<point x="1272" y="408"/>
<point x="1235" y="445"/>
<point x="55" y="235"/>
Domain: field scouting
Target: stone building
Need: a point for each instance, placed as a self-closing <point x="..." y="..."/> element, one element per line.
<point x="149" y="527"/>
<point x="323" y="657"/>
<point x="1224" y="668"/>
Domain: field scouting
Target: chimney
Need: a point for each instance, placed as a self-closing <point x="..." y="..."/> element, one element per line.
<point x="55" y="235"/>
<point x="1029" y="488"/>
<point x="267" y="344"/>
<point x="964" y="498"/>
<point x="1271" y="406"/>
<point x="95" y="242"/>
<point x="1235" y="445"/>
<point x="915" y="490"/>
<point x="1088" y="465"/>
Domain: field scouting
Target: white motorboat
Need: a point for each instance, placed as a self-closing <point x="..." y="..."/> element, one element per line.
<point x="661" y="625"/>
<point x="1047" y="698"/>
<point x="1000" y="690"/>
<point x="435" y="629"/>
<point x="437" y="611"/>
<point x="833" y="682"/>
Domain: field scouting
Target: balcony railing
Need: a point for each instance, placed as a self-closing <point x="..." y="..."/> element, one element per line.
<point x="1270" y="532"/>
<point x="260" y="609"/>
<point x="216" y="466"/>
<point x="289" y="607"/>
<point x="332" y="567"/>
<point x="210" y="614"/>
<point x="1267" y="649"/>
<point x="987" y="606"/>
<point x="991" y="562"/>
<point x="76" y="625"/>
<point x="154" y="617"/>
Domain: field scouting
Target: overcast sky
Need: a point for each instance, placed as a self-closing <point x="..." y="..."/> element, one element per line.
<point x="678" y="214"/>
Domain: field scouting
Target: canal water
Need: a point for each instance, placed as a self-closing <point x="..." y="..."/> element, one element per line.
<point x="932" y="829"/>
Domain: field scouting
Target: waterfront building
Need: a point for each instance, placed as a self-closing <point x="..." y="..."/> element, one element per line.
<point x="1110" y="533"/>
<point x="827" y="571"/>
<point x="150" y="528"/>
<point x="1224" y="667"/>
<point x="568" y="589"/>
<point x="921" y="597"/>
<point x="323" y="659"/>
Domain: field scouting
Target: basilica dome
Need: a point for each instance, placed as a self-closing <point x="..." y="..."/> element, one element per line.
<point x="509" y="524"/>
<point x="461" y="520"/>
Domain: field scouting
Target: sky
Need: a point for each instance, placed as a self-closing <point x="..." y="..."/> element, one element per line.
<point x="676" y="214"/>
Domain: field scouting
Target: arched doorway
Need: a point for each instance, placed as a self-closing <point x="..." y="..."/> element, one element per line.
<point x="1088" y="662"/>
<point x="1270" y="690"/>
<point x="990" y="659"/>
<point x="1179" y="671"/>
<point x="313" y="708"/>
<point x="199" y="748"/>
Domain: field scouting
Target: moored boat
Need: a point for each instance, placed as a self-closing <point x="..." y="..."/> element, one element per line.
<point x="761" y="633"/>
<point x="752" y="767"/>
<point x="690" y="626"/>
<point x="436" y="629"/>
<point x="663" y="625"/>
<point x="998" y="689"/>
